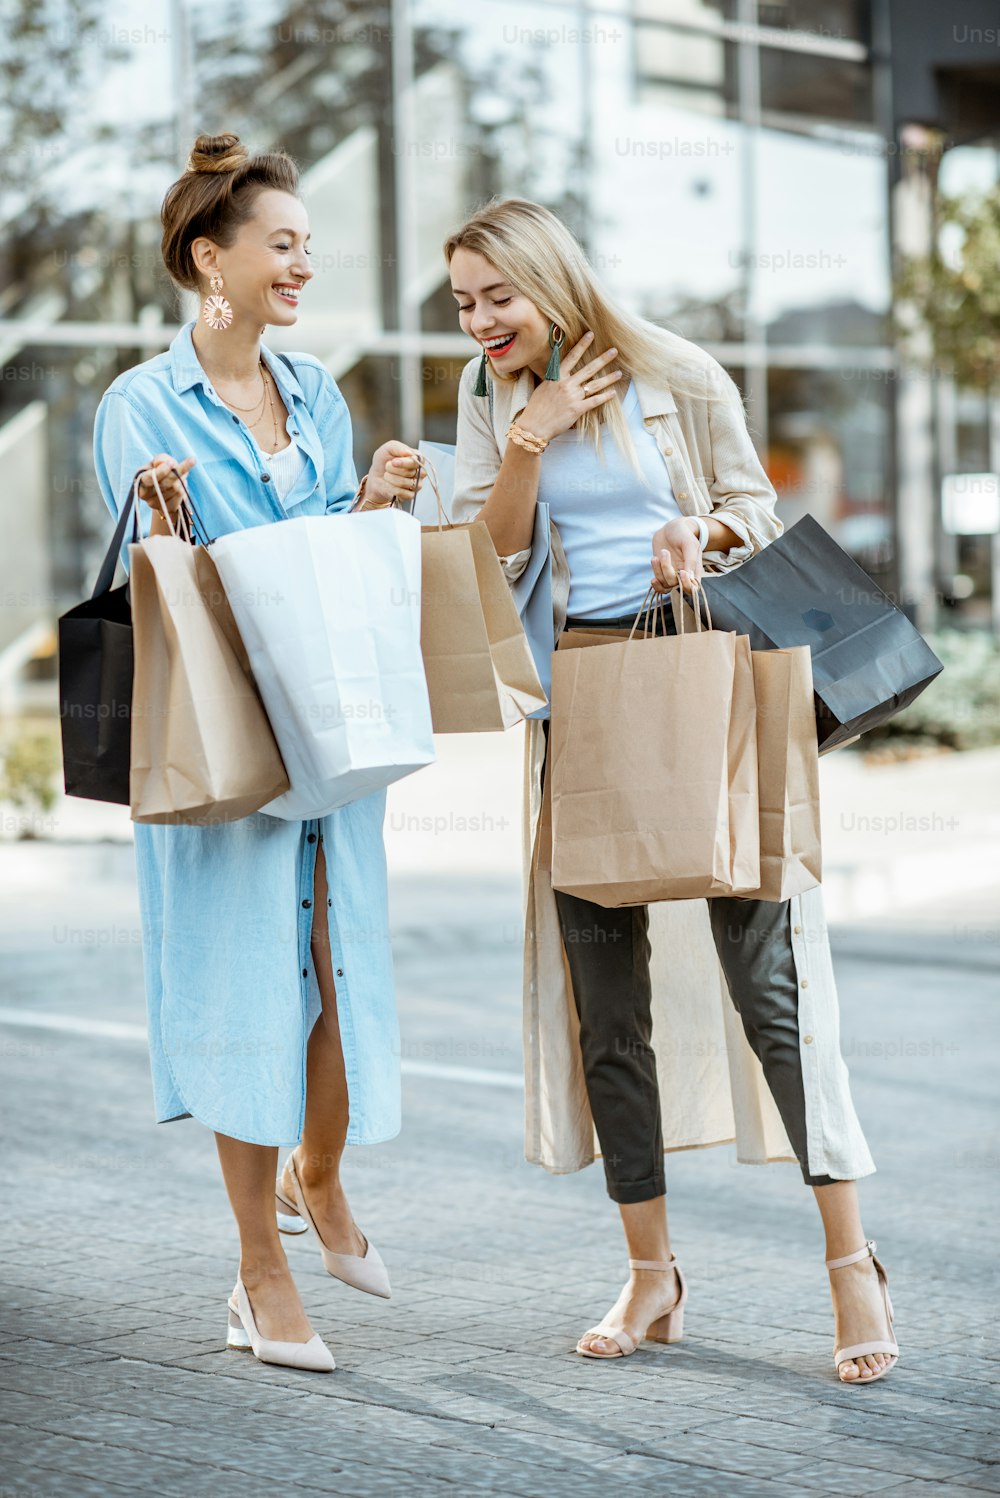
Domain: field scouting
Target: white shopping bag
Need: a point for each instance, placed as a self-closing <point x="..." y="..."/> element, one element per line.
<point x="329" y="610"/>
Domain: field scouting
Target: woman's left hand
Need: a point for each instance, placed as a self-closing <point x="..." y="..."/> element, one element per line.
<point x="396" y="474"/>
<point x="676" y="557"/>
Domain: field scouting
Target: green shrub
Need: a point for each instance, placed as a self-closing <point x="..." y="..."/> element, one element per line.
<point x="961" y="707"/>
<point x="27" y="773"/>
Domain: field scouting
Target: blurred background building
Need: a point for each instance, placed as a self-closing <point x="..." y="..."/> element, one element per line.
<point x="748" y="173"/>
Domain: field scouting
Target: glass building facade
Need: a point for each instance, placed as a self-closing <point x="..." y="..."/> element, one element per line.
<point x="725" y="163"/>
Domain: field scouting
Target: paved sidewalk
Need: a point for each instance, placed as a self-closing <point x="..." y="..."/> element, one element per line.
<point x="119" y="1248"/>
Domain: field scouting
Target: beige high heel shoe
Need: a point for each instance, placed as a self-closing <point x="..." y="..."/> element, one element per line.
<point x="287" y="1213"/>
<point x="667" y="1327"/>
<point x="243" y="1334"/>
<point x="860" y="1349"/>
<point x="364" y="1272"/>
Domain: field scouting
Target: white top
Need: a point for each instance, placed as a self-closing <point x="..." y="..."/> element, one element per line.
<point x="605" y="515"/>
<point x="285" y="465"/>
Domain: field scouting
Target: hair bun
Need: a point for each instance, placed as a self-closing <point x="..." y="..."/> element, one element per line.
<point x="217" y="153"/>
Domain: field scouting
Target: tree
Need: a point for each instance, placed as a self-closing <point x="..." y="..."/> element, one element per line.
<point x="955" y="291"/>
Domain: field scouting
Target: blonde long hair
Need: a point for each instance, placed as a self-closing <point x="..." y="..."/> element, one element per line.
<point x="539" y="256"/>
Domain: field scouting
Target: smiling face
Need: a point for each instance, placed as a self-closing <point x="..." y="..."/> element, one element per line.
<point x="512" y="330"/>
<point x="266" y="266"/>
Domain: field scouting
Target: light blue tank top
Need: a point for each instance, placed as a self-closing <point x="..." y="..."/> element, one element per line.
<point x="605" y="517"/>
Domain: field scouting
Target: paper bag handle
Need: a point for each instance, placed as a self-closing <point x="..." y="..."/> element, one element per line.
<point x="651" y="604"/>
<point x="442" y="520"/>
<point x="697" y="609"/>
<point x="655" y="602"/>
<point x="183" y="523"/>
<point x="129" y="509"/>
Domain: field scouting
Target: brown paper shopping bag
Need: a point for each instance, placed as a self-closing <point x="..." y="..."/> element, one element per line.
<point x="543" y="838"/>
<point x="744" y="806"/>
<point x="481" y="677"/>
<point x="639" y="745"/>
<point x="202" y="749"/>
<point x="788" y="776"/>
<point x="787" y="770"/>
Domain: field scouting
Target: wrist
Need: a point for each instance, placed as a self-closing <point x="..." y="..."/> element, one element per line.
<point x="699" y="525"/>
<point x="536" y="426"/>
<point x="522" y="436"/>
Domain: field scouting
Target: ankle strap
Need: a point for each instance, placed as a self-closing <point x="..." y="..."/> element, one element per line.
<point x="653" y="1263"/>
<point x="862" y="1253"/>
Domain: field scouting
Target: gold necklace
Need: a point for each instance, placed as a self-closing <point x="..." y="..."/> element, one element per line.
<point x="274" y="419"/>
<point x="244" y="409"/>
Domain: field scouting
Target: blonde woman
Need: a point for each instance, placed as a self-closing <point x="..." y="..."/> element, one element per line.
<point x="637" y="440"/>
<point x="269" y="985"/>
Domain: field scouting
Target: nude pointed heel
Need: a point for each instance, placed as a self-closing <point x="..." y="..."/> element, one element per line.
<point x="242" y="1334"/>
<point x="667" y="1327"/>
<point x="237" y="1335"/>
<point x="889" y="1346"/>
<point x="365" y="1272"/>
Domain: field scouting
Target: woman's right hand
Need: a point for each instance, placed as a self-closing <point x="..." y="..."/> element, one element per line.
<point x="168" y="475"/>
<point x="555" y="405"/>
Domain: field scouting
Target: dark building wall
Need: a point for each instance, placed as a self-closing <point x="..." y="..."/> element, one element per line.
<point x="945" y="65"/>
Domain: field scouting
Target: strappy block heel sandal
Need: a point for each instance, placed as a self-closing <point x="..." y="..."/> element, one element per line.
<point x="862" y="1349"/>
<point x="667" y="1327"/>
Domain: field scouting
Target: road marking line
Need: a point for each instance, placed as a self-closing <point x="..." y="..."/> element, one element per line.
<point x="110" y="1029"/>
<point x="475" y="1074"/>
<point x="117" y="1030"/>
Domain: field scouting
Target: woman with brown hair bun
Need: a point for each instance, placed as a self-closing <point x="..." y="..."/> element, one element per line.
<point x="267" y="1025"/>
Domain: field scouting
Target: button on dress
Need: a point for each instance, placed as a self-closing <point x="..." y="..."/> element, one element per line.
<point x="231" y="989"/>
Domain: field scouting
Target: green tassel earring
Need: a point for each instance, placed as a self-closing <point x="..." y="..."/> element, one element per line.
<point x="555" y="344"/>
<point x="481" y="387"/>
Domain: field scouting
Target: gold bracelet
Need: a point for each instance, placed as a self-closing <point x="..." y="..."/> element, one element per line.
<point x="527" y="440"/>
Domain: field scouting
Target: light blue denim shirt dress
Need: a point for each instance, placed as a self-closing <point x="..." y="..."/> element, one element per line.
<point x="231" y="991"/>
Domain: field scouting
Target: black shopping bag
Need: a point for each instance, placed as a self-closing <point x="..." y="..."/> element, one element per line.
<point x="95" y="681"/>
<point x="868" y="660"/>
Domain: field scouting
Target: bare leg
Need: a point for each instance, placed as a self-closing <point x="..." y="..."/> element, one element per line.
<point x="248" y="1171"/>
<point x="648" y="1291"/>
<point x="859" y="1315"/>
<point x="318" y="1157"/>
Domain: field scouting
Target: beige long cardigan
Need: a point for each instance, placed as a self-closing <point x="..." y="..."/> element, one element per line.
<point x="712" y="1086"/>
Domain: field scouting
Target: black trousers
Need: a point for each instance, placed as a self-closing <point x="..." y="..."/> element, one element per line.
<point x="608" y="954"/>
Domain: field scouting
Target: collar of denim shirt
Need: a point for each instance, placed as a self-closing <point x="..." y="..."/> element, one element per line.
<point x="186" y="372"/>
<point x="186" y="369"/>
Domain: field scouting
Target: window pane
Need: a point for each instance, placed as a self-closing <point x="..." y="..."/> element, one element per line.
<point x="815" y="88"/>
<point x="821" y="260"/>
<point x="842" y="19"/>
<point x="706" y="13"/>
<point x="685" y="70"/>
<point x="828" y="454"/>
<point x="665" y="230"/>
